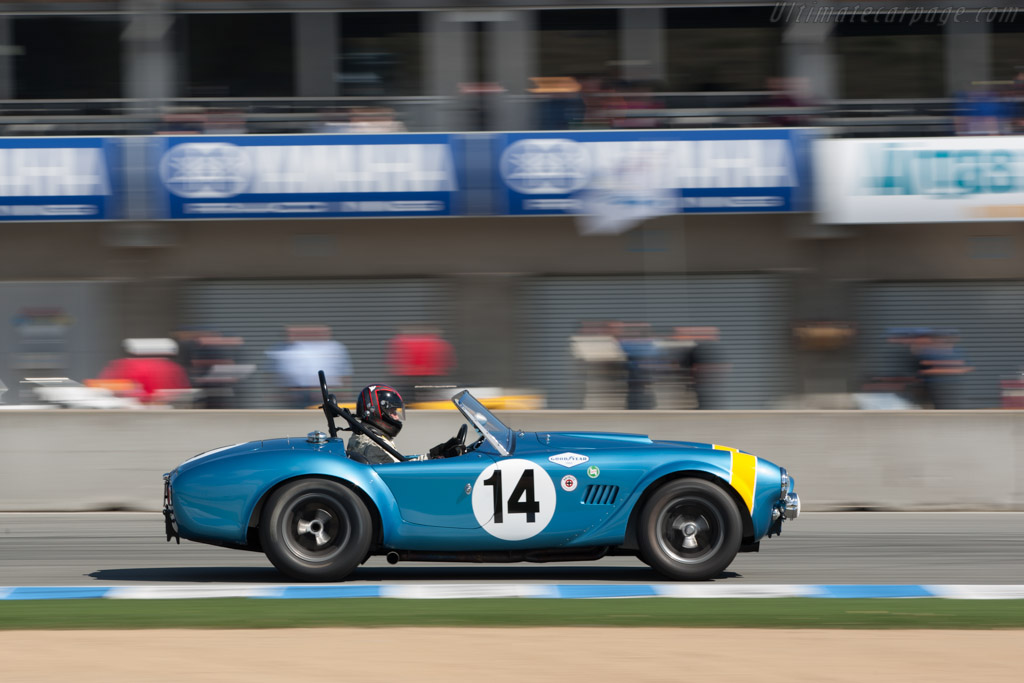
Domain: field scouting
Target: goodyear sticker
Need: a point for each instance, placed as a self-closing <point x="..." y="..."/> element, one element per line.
<point x="569" y="459"/>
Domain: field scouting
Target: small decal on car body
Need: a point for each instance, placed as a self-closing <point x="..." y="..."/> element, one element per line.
<point x="568" y="483"/>
<point x="593" y="471"/>
<point x="569" y="459"/>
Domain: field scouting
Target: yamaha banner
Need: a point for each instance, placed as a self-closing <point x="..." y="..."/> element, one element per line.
<point x="66" y="179"/>
<point x="638" y="174"/>
<point x="307" y="176"/>
<point x="611" y="179"/>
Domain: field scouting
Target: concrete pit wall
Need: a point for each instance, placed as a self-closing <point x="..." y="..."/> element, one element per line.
<point x="907" y="460"/>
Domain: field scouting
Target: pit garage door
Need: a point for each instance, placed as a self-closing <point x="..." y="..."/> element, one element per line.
<point x="362" y="314"/>
<point x="986" y="318"/>
<point x="751" y="312"/>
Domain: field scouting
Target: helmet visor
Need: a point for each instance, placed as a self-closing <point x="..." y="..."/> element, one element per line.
<point x="392" y="408"/>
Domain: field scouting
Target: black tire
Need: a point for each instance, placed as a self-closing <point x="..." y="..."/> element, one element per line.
<point x="690" y="530"/>
<point x="316" y="530"/>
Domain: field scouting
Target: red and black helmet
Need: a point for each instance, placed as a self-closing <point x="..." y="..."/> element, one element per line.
<point x="383" y="407"/>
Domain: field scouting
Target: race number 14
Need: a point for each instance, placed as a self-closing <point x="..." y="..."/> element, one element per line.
<point x="522" y="500"/>
<point x="513" y="499"/>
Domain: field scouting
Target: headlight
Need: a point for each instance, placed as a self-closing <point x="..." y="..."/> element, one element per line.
<point x="785" y="483"/>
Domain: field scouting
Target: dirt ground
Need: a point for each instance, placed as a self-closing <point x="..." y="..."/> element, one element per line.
<point x="594" y="655"/>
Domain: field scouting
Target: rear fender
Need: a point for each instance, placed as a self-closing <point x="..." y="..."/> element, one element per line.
<point x="220" y="502"/>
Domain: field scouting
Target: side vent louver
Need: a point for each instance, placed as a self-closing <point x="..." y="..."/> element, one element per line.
<point x="600" y="494"/>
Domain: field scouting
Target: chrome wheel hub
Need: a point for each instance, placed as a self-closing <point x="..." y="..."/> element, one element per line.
<point x="690" y="529"/>
<point x="316" y="527"/>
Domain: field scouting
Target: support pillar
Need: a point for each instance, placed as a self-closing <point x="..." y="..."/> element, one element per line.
<point x="642" y="44"/>
<point x="512" y="55"/>
<point x="447" y="59"/>
<point x="316" y="54"/>
<point x="147" y="50"/>
<point x="808" y="56"/>
<point x="7" y="52"/>
<point x="968" y="56"/>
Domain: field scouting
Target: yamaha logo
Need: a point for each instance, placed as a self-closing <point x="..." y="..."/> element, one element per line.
<point x="545" y="166"/>
<point x="206" y="170"/>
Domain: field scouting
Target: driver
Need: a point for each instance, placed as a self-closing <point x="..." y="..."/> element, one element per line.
<point x="382" y="411"/>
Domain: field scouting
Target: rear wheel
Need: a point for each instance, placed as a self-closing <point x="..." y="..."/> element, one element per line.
<point x="316" y="530"/>
<point x="690" y="529"/>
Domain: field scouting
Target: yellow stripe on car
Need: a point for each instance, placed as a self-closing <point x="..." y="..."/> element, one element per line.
<point x="742" y="474"/>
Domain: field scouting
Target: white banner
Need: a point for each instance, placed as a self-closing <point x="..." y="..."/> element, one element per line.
<point x="920" y="180"/>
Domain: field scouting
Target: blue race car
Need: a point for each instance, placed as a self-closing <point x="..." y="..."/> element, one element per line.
<point x="684" y="508"/>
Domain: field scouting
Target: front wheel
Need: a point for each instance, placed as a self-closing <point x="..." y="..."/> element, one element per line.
<point x="316" y="530"/>
<point x="690" y="529"/>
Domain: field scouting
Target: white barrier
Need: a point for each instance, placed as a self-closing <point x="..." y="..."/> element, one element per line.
<point x="905" y="460"/>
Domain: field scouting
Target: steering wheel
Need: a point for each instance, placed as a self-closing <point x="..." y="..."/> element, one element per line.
<point x="452" y="448"/>
<point x="329" y="406"/>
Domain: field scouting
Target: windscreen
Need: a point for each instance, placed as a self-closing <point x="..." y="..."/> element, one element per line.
<point x="490" y="427"/>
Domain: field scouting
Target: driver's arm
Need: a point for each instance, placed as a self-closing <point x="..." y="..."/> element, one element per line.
<point x="363" y="449"/>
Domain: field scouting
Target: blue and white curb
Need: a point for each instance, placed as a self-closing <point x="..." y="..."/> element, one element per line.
<point x="518" y="590"/>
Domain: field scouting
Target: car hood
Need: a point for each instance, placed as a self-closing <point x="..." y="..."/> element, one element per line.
<point x="569" y="440"/>
<point x="282" y="444"/>
<point x="220" y="452"/>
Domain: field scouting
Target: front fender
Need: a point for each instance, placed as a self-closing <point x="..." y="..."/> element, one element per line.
<point x="613" y="530"/>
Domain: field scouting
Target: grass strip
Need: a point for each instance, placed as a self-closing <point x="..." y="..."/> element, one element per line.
<point x="232" y="613"/>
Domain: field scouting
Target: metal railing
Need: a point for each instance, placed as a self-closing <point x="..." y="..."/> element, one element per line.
<point x="904" y="117"/>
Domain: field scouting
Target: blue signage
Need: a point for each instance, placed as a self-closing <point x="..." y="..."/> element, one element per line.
<point x="307" y="176"/>
<point x="640" y="174"/>
<point x="66" y="179"/>
<point x="612" y="179"/>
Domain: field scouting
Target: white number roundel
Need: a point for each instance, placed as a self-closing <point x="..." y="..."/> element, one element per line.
<point x="514" y="499"/>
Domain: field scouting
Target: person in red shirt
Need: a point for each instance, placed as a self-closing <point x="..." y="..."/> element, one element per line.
<point x="149" y="369"/>
<point x="419" y="357"/>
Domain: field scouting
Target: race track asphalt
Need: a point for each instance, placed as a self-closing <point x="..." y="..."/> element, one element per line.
<point x="74" y="549"/>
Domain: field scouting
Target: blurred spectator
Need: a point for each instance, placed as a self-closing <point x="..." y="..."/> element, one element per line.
<point x="982" y="111"/>
<point x="309" y="350"/>
<point x="641" y="357"/>
<point x="939" y="365"/>
<point x="700" y="360"/>
<point x="225" y="122"/>
<point x="604" y="365"/>
<point x="371" y="120"/>
<point x="1015" y="103"/>
<point x="148" y="373"/>
<point x="633" y="97"/>
<point x="332" y="121"/>
<point x="183" y="121"/>
<point x="594" y="93"/>
<point x="786" y="93"/>
<point x="419" y="356"/>
<point x="561" y="106"/>
<point x="212" y="363"/>
<point x="478" y="97"/>
<point x="931" y="366"/>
